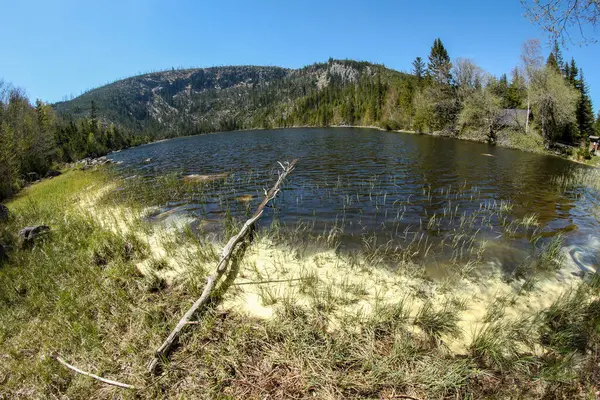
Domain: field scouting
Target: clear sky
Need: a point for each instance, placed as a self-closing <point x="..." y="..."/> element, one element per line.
<point x="60" y="48"/>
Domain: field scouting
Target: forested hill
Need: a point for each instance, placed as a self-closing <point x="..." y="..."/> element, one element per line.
<point x="455" y="98"/>
<point x="188" y="101"/>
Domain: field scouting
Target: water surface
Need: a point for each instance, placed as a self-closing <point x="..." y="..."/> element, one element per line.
<point x="367" y="188"/>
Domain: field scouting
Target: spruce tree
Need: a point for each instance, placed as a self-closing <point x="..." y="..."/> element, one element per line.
<point x="419" y="68"/>
<point x="566" y="71"/>
<point x="94" y="117"/>
<point x="552" y="63"/>
<point x="585" y="115"/>
<point x="516" y="93"/>
<point x="500" y="88"/>
<point x="558" y="56"/>
<point x="573" y="72"/>
<point x="439" y="63"/>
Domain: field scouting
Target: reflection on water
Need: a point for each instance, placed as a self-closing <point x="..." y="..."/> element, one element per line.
<point x="369" y="188"/>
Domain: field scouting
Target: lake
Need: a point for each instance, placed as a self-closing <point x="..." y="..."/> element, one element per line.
<point x="441" y="197"/>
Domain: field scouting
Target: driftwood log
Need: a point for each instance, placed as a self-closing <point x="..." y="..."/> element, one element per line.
<point x="164" y="349"/>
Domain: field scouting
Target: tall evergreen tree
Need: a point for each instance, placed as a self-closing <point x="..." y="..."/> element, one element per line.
<point x="585" y="114"/>
<point x="499" y="88"/>
<point x="566" y="71"/>
<point x="93" y="112"/>
<point x="419" y="68"/>
<point x="573" y="72"/>
<point x="558" y="56"/>
<point x="439" y="63"/>
<point x="516" y="94"/>
<point x="552" y="63"/>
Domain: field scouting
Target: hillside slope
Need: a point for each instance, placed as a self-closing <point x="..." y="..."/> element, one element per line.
<point x="180" y="102"/>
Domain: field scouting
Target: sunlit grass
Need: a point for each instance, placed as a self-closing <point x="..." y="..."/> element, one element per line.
<point x="105" y="298"/>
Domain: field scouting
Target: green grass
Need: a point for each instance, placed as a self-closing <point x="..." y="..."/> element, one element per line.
<point x="79" y="293"/>
<point x="437" y="322"/>
<point x="50" y="193"/>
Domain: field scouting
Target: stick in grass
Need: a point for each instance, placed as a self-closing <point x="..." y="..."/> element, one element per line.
<point x="163" y="351"/>
<point x="99" y="378"/>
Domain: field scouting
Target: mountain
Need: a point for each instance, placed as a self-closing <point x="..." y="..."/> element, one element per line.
<point x="188" y="101"/>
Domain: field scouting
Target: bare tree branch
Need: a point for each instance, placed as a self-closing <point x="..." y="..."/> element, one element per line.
<point x="557" y="17"/>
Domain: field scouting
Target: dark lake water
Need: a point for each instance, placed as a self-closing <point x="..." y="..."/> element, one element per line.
<point x="364" y="187"/>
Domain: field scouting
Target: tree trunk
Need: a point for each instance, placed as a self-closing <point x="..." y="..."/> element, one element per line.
<point x="527" y="119"/>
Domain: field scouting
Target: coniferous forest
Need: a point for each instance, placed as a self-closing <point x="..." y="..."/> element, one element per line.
<point x="544" y="101"/>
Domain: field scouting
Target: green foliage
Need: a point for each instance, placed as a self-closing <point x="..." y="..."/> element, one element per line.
<point x="482" y="111"/>
<point x="516" y="94"/>
<point x="585" y="114"/>
<point x="439" y="65"/>
<point x="552" y="63"/>
<point x="553" y="102"/>
<point x="32" y="139"/>
<point x="419" y="68"/>
<point x="555" y="59"/>
<point x="26" y="142"/>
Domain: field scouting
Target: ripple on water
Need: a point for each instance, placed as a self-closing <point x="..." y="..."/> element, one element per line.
<point x="381" y="185"/>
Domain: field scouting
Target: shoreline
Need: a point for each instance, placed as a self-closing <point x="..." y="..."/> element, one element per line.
<point x="541" y="151"/>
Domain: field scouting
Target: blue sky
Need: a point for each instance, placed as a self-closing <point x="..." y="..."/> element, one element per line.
<point x="59" y="48"/>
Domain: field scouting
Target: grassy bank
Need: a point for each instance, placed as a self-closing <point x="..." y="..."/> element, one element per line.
<point x="295" y="320"/>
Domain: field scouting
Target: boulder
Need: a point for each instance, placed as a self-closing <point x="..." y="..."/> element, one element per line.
<point x="28" y="234"/>
<point x="4" y="213"/>
<point x="93" y="162"/>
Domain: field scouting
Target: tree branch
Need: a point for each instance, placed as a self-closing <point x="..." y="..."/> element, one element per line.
<point x="89" y="374"/>
<point x="211" y="281"/>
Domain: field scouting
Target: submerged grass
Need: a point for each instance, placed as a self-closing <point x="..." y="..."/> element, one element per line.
<point x="103" y="295"/>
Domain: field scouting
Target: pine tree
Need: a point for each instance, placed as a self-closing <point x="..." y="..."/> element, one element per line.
<point x="516" y="93"/>
<point x="419" y="68"/>
<point x="585" y="114"/>
<point x="558" y="56"/>
<point x="552" y="63"/>
<point x="573" y="71"/>
<point x="597" y="124"/>
<point x="566" y="72"/>
<point x="93" y="112"/>
<point x="501" y="90"/>
<point x="439" y="63"/>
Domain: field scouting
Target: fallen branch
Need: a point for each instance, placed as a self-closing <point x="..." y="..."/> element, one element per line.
<point x="163" y="351"/>
<point x="99" y="378"/>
